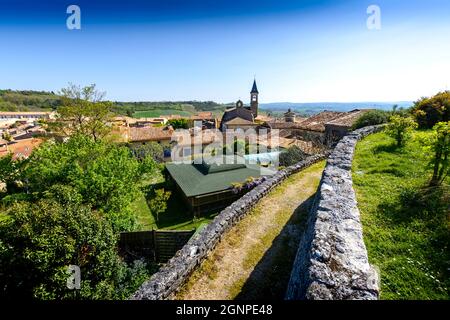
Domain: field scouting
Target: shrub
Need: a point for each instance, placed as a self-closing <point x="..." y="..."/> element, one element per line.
<point x="429" y="111"/>
<point x="152" y="149"/>
<point x="438" y="146"/>
<point x="371" y="118"/>
<point x="400" y="129"/>
<point x="179" y="123"/>
<point x="158" y="202"/>
<point x="40" y="240"/>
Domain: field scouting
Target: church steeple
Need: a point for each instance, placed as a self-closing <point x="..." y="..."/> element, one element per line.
<point x="255" y="88"/>
<point x="254" y="99"/>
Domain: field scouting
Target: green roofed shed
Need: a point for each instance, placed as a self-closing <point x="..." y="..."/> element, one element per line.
<point x="206" y="187"/>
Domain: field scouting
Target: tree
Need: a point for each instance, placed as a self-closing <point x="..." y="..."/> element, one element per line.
<point x="83" y="112"/>
<point x="38" y="241"/>
<point x="152" y="149"/>
<point x="10" y="172"/>
<point x="371" y="118"/>
<point x="106" y="175"/>
<point x="179" y="123"/>
<point x="438" y="144"/>
<point x="7" y="136"/>
<point x="400" y="128"/>
<point x="158" y="202"/>
<point x="429" y="111"/>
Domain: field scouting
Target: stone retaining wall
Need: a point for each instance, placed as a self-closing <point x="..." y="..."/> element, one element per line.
<point x="332" y="260"/>
<point x="174" y="274"/>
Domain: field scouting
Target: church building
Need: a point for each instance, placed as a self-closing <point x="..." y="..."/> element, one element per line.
<point x="242" y="117"/>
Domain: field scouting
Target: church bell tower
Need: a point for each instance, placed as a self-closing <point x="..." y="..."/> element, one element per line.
<point x="254" y="100"/>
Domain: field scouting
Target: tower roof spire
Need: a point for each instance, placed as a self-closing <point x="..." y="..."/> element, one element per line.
<point x="254" y="88"/>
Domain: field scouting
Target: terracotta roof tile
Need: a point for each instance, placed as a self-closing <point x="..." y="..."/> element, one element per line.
<point x="150" y="134"/>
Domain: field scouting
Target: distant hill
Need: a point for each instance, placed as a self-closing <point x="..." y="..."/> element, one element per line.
<point x="313" y="108"/>
<point x="155" y="109"/>
<point x="28" y="100"/>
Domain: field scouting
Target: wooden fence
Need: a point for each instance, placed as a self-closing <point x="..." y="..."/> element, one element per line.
<point x="156" y="245"/>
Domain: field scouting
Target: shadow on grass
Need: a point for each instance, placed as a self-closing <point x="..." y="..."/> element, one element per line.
<point x="420" y="219"/>
<point x="428" y="204"/>
<point x="179" y="216"/>
<point x="387" y="147"/>
<point x="392" y="169"/>
<point x="270" y="278"/>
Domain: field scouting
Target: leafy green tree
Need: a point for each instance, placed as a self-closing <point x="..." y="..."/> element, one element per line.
<point x="83" y="112"/>
<point x="10" y="171"/>
<point x="429" y="111"/>
<point x="106" y="175"/>
<point x="371" y="118"/>
<point x="400" y="128"/>
<point x="153" y="150"/>
<point x="67" y="206"/>
<point x="38" y="241"/>
<point x="6" y="136"/>
<point x="438" y="145"/>
<point x="158" y="202"/>
<point x="179" y="123"/>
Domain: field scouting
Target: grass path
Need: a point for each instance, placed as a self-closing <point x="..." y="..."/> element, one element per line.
<point x="254" y="259"/>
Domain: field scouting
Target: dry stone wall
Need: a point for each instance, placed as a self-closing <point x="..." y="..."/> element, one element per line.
<point x="332" y="262"/>
<point x="174" y="274"/>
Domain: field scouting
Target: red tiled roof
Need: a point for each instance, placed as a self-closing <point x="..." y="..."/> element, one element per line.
<point x="203" y="115"/>
<point x="348" y="119"/>
<point x="150" y="134"/>
<point x="21" y="149"/>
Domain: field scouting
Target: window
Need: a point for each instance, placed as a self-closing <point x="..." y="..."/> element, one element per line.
<point x="187" y="152"/>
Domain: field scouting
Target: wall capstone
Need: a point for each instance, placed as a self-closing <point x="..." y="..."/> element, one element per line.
<point x="332" y="261"/>
<point x="169" y="279"/>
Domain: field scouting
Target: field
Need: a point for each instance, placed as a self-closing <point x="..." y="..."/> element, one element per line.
<point x="406" y="225"/>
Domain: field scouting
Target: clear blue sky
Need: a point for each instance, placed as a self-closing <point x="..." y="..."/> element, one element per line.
<point x="300" y="51"/>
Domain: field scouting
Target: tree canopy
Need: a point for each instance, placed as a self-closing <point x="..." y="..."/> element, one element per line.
<point x="83" y="112"/>
<point x="40" y="240"/>
<point x="429" y="111"/>
<point x="105" y="175"/>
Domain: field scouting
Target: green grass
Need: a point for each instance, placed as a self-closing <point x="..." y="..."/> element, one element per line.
<point x="176" y="217"/>
<point x="406" y="225"/>
<point x="144" y="216"/>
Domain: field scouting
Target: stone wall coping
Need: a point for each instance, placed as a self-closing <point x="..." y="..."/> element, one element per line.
<point x="332" y="261"/>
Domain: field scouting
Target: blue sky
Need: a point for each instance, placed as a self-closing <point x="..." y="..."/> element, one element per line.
<point x="300" y="51"/>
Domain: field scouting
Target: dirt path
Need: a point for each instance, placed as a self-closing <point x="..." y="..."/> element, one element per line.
<point x="254" y="259"/>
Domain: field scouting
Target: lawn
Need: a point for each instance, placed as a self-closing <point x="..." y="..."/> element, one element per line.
<point x="406" y="225"/>
<point x="176" y="217"/>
